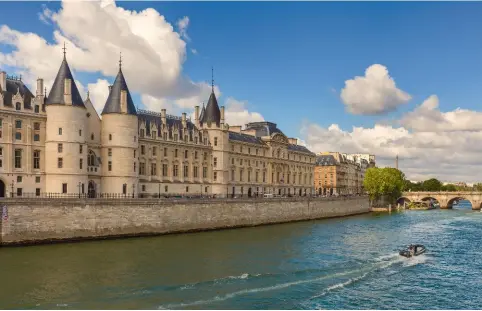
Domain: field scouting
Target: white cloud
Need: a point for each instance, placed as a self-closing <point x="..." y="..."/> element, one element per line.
<point x="236" y="113"/>
<point x="375" y="93"/>
<point x="95" y="33"/>
<point x="428" y="118"/>
<point x="182" y="25"/>
<point x="447" y="151"/>
<point x="194" y="51"/>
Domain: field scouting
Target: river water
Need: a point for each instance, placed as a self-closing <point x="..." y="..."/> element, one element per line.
<point x="343" y="263"/>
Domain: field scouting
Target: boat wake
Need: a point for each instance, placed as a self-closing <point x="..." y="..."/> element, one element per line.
<point x="378" y="264"/>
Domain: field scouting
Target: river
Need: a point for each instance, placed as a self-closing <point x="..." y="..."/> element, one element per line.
<point x="342" y="263"/>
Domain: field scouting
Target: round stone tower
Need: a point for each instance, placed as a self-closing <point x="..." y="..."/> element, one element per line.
<point x="66" y="127"/>
<point x="119" y="140"/>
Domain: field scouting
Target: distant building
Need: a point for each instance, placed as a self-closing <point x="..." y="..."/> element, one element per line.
<point x="340" y="173"/>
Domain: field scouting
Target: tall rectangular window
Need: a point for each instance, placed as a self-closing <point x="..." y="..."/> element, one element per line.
<point x="196" y="173"/>
<point x="143" y="149"/>
<point x="215" y="176"/>
<point x="205" y="172"/>
<point x="195" y="155"/>
<point x="60" y="148"/>
<point x="18" y="124"/>
<point x="186" y="154"/>
<point x="142" y="168"/>
<point x="81" y="162"/>
<point x="154" y="151"/>
<point x="18" y="136"/>
<point x="215" y="162"/>
<point x="153" y="169"/>
<point x="109" y="166"/>
<point x="36" y="137"/>
<point x="186" y="171"/>
<point x="164" y="170"/>
<point x="215" y="141"/>
<point x="37" y="110"/>
<point x="36" y="126"/>
<point x="60" y="162"/>
<point x="64" y="188"/>
<point x="165" y="152"/>
<point x="60" y="131"/>
<point x="175" y="153"/>
<point x="109" y="152"/>
<point x="176" y="171"/>
<point x="36" y="159"/>
<point x="80" y="149"/>
<point x="18" y="158"/>
<point x="205" y="157"/>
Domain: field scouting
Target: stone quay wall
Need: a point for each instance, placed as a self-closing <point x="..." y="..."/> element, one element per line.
<point x="56" y="220"/>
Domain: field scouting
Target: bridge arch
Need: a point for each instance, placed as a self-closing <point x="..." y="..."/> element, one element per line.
<point x="453" y="200"/>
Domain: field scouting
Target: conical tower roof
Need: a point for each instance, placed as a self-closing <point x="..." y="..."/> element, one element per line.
<point x="203" y="111"/>
<point x="113" y="103"/>
<point x="56" y="95"/>
<point x="212" y="113"/>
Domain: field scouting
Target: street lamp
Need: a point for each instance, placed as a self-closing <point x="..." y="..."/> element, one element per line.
<point x="201" y="190"/>
<point x="159" y="190"/>
<point x="79" y="187"/>
<point x="133" y="190"/>
<point x="11" y="193"/>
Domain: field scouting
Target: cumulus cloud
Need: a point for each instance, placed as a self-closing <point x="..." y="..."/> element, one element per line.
<point x="428" y="145"/>
<point x="95" y="33"/>
<point x="373" y="94"/>
<point x="428" y="118"/>
<point x="236" y="113"/>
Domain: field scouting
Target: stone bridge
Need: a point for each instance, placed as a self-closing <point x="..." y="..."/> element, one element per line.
<point x="444" y="198"/>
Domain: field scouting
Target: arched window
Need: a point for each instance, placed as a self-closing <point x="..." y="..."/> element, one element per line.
<point x="18" y="106"/>
<point x="91" y="159"/>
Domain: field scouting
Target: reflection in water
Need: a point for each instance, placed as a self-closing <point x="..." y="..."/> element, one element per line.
<point x="341" y="263"/>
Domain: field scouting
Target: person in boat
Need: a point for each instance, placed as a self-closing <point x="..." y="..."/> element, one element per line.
<point x="412" y="250"/>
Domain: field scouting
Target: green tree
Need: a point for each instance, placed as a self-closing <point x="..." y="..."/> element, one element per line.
<point x="449" y="187"/>
<point x="432" y="185"/>
<point x="387" y="181"/>
<point x="478" y="187"/>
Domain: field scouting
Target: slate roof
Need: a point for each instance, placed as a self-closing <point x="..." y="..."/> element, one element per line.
<point x="212" y="113"/>
<point x="201" y="115"/>
<point x="245" y="138"/>
<point x="155" y="118"/>
<point x="263" y="128"/>
<point x="113" y="103"/>
<point x="326" y="160"/>
<point x="56" y="95"/>
<point x="300" y="149"/>
<point x="12" y="87"/>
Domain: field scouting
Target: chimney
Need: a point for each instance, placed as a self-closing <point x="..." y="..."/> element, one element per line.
<point x="163" y="116"/>
<point x="222" y="115"/>
<point x="3" y="80"/>
<point x="184" y="121"/>
<point x="123" y="101"/>
<point x="68" y="91"/>
<point x="196" y="115"/>
<point x="40" y="87"/>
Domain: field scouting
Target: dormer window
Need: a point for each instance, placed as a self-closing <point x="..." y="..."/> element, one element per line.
<point x="37" y="108"/>
<point x="142" y="133"/>
<point x="18" y="106"/>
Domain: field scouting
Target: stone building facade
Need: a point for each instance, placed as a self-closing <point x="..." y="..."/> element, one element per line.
<point x="57" y="144"/>
<point x="340" y="173"/>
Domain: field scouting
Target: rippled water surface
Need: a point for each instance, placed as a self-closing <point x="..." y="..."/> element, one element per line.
<point x="344" y="263"/>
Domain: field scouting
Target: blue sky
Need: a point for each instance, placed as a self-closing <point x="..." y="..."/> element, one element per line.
<point x="289" y="60"/>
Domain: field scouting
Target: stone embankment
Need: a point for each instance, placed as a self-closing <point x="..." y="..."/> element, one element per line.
<point x="30" y="221"/>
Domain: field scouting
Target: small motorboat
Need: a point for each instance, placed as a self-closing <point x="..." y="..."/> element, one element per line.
<point x="413" y="250"/>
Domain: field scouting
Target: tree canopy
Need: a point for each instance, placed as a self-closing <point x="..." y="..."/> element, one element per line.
<point x="387" y="181"/>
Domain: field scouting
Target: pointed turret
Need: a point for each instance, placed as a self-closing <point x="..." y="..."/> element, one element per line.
<point x="119" y="100"/>
<point x="64" y="90"/>
<point x="212" y="113"/>
<point x="201" y="116"/>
